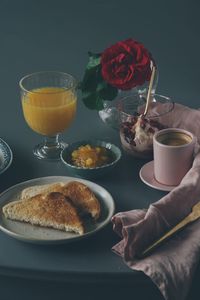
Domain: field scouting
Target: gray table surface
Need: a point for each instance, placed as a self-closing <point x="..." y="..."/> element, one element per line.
<point x="48" y="35"/>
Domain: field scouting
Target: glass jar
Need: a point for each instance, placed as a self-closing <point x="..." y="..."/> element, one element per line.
<point x="136" y="132"/>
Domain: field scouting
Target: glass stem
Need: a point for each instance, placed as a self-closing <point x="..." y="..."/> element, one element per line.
<point x="50" y="149"/>
<point x="51" y="142"/>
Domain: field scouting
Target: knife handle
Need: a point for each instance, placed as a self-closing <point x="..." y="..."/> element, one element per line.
<point x="190" y="218"/>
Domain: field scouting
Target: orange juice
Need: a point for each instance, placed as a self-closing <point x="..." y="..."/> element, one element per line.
<point x="49" y="110"/>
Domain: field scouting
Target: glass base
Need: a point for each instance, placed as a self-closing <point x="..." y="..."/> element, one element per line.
<point x="49" y="150"/>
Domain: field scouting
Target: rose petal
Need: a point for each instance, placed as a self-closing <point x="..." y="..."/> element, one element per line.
<point x="126" y="64"/>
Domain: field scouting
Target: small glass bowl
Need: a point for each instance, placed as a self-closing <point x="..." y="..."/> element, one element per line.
<point x="139" y="142"/>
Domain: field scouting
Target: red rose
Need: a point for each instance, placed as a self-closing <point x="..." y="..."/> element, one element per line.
<point x="126" y="64"/>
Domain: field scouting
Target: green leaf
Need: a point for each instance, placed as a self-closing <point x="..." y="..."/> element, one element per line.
<point x="101" y="85"/>
<point x="93" y="101"/>
<point x="92" y="73"/>
<point x="94" y="89"/>
<point x="106" y="91"/>
<point x="91" y="79"/>
<point x="94" y="60"/>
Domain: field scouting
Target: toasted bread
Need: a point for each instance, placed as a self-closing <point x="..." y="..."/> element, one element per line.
<point x="40" y="189"/>
<point x="83" y="198"/>
<point x="80" y="195"/>
<point x="49" y="210"/>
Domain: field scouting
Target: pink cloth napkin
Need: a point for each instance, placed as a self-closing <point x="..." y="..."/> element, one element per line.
<point x="171" y="267"/>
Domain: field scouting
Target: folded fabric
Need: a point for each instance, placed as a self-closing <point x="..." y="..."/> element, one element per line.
<point x="171" y="266"/>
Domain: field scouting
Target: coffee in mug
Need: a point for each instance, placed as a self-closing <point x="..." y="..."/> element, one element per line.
<point x="173" y="155"/>
<point x="174" y="138"/>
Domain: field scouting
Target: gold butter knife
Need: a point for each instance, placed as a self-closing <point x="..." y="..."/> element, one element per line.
<point x="194" y="215"/>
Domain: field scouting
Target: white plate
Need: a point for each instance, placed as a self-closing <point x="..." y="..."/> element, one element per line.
<point x="6" y="156"/>
<point x="40" y="235"/>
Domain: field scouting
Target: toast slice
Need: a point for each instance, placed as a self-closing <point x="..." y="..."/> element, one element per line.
<point x="40" y="189"/>
<point x="52" y="210"/>
<point x="80" y="195"/>
<point x="83" y="198"/>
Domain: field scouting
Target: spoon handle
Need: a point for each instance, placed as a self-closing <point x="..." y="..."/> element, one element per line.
<point x="149" y="91"/>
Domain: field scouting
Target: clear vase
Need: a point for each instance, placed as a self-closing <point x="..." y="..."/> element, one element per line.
<point x="110" y="114"/>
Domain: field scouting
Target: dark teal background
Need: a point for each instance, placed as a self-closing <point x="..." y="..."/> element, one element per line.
<point x="39" y="35"/>
<point x="56" y="35"/>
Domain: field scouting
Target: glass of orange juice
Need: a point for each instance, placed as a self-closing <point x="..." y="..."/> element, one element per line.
<point x="49" y="102"/>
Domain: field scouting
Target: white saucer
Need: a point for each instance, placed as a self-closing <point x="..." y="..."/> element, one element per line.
<point x="147" y="176"/>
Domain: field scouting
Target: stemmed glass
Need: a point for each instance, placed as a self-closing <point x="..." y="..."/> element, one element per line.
<point x="49" y="101"/>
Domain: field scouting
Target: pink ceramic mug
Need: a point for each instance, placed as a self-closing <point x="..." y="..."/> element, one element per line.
<point x="173" y="150"/>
